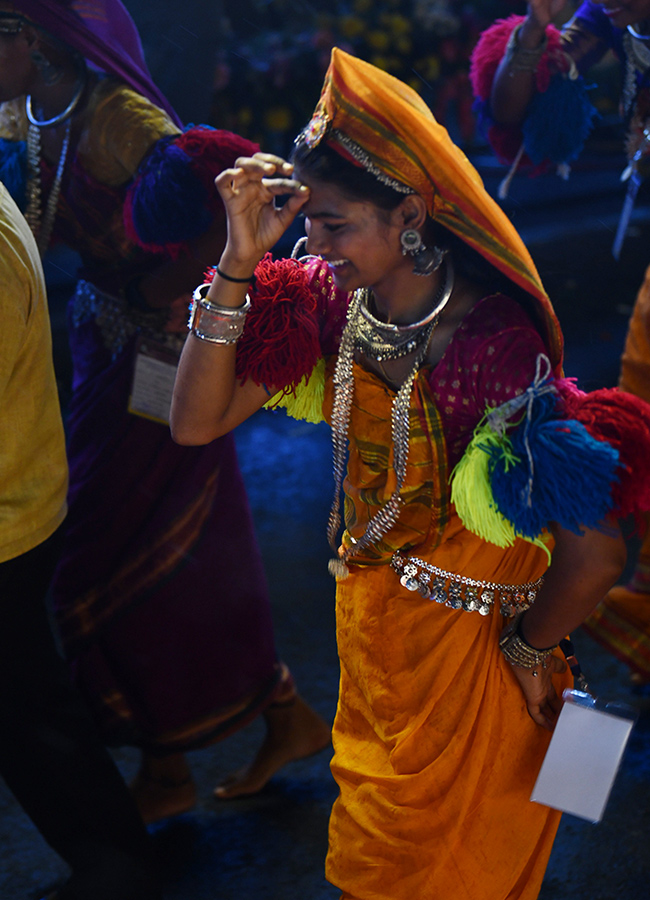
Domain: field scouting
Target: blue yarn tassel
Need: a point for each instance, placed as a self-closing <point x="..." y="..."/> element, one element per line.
<point x="168" y="199"/>
<point x="13" y="170"/>
<point x="569" y="481"/>
<point x="559" y="121"/>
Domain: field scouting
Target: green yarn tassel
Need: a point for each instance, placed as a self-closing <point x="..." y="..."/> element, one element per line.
<point x="307" y="401"/>
<point x="471" y="492"/>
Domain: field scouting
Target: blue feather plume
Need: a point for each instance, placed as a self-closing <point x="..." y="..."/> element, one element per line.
<point x="558" y="121"/>
<point x="569" y="481"/>
<point x="168" y="200"/>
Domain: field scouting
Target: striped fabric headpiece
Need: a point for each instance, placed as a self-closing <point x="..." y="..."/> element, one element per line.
<point x="383" y="125"/>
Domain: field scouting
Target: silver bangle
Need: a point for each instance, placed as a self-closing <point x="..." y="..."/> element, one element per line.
<point x="520" y="59"/>
<point x="518" y="651"/>
<point x="218" y="324"/>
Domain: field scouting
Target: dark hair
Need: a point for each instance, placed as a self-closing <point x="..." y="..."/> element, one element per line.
<point x="325" y="164"/>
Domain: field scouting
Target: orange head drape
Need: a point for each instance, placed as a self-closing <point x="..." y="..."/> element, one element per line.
<point x="385" y="126"/>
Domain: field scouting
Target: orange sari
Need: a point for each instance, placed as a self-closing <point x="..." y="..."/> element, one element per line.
<point x="435" y="754"/>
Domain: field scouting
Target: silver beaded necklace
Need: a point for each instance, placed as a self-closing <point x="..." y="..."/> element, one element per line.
<point x="387" y="516"/>
<point x="42" y="224"/>
<point x="637" y="59"/>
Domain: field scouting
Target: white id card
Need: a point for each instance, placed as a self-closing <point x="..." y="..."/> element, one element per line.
<point x="153" y="381"/>
<point x="584" y="755"/>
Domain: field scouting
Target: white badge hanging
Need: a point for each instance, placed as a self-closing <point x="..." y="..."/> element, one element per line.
<point x="153" y="381"/>
<point x="584" y="755"/>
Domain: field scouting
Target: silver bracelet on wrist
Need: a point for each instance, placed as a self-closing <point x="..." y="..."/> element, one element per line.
<point x="218" y="324"/>
<point x="520" y="59"/>
<point x="519" y="652"/>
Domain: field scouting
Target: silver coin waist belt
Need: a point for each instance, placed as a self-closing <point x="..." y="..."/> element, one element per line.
<point x="460" y="592"/>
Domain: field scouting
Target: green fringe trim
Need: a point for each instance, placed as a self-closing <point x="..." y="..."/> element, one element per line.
<point x="471" y="492"/>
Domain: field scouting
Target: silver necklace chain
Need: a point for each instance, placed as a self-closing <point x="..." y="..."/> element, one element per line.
<point x="386" y="517"/>
<point x="42" y="227"/>
<point x="637" y="59"/>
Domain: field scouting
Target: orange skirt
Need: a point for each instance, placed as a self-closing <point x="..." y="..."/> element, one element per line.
<point x="435" y="753"/>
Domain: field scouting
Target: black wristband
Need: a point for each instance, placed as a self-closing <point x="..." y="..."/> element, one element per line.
<point x="223" y="275"/>
<point x="520" y="634"/>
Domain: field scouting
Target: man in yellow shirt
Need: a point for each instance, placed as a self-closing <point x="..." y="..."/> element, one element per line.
<point x="50" y="756"/>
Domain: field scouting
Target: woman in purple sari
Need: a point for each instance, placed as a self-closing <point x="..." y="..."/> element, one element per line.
<point x="160" y="593"/>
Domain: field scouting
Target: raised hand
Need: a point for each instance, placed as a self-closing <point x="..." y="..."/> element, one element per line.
<point x="542" y="12"/>
<point x="249" y="191"/>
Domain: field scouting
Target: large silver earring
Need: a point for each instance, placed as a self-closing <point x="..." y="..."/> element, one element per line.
<point x="50" y="73"/>
<point x="426" y="260"/>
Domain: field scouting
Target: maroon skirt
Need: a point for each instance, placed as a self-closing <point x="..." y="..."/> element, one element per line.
<point x="160" y="592"/>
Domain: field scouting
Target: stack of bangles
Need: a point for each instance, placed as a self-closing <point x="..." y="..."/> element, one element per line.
<point x="214" y="323"/>
<point x="520" y="59"/>
<point x="519" y="652"/>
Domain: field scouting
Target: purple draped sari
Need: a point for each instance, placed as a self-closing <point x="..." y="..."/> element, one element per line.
<point x="104" y="33"/>
<point x="160" y="592"/>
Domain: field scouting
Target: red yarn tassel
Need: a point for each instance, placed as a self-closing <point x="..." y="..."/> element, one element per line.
<point x="281" y="340"/>
<point x="623" y="420"/>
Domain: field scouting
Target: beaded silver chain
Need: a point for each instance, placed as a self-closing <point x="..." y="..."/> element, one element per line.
<point x="42" y="227"/>
<point x="637" y="59"/>
<point x="387" y="516"/>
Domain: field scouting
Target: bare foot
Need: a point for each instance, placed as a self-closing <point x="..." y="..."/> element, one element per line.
<point x="163" y="788"/>
<point x="293" y="732"/>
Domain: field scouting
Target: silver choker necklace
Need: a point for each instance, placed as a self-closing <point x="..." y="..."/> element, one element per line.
<point x="60" y="117"/>
<point x="637" y="35"/>
<point x="382" y="341"/>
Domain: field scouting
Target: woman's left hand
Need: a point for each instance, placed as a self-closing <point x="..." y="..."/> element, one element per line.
<point x="542" y="700"/>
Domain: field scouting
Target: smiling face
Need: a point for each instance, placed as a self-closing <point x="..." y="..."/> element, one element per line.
<point x="622" y="13"/>
<point x="359" y="240"/>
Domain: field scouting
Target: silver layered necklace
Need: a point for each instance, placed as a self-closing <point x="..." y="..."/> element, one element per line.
<point x="378" y="341"/>
<point x="382" y="341"/>
<point x="41" y="223"/>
